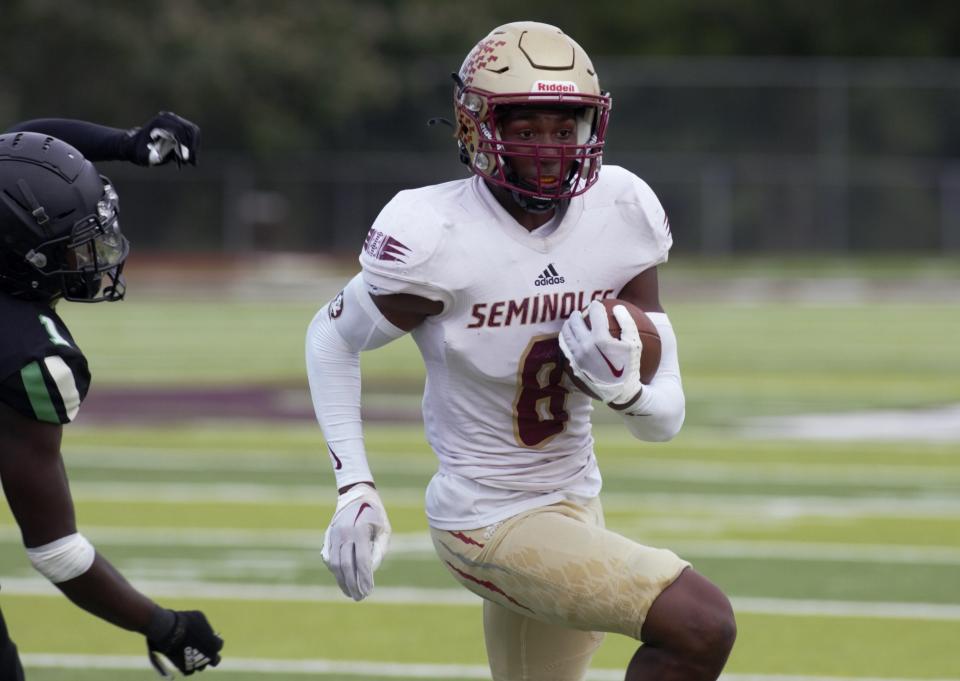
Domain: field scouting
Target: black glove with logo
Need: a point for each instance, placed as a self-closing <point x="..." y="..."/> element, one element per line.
<point x="191" y="645"/>
<point x="165" y="137"/>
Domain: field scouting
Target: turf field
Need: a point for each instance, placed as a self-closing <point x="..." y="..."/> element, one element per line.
<point x="842" y="556"/>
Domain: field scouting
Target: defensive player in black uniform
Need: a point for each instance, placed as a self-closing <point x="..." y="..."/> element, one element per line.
<point x="60" y="239"/>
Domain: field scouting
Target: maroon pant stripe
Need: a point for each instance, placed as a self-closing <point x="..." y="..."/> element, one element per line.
<point x="487" y="585"/>
<point x="465" y="539"/>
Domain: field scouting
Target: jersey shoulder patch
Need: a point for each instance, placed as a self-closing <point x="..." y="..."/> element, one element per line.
<point x="400" y="252"/>
<point x="43" y="374"/>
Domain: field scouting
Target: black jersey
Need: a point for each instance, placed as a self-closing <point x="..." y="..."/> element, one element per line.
<point x="43" y="374"/>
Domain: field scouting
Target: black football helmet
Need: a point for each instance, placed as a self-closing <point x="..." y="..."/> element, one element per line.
<point x="59" y="230"/>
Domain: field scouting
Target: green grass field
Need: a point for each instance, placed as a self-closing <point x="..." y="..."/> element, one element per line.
<point x="842" y="557"/>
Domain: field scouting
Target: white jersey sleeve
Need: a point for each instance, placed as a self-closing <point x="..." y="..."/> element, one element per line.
<point x="640" y="209"/>
<point x="398" y="253"/>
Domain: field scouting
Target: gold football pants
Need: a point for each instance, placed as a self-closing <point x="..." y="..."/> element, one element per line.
<point x="552" y="580"/>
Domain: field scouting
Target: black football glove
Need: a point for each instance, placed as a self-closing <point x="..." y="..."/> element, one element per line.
<point x="191" y="645"/>
<point x="165" y="137"/>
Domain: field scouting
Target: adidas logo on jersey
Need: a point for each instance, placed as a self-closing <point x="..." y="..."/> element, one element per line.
<point x="549" y="276"/>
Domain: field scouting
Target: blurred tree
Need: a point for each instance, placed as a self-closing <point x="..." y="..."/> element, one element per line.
<point x="280" y="77"/>
<point x="273" y="80"/>
<point x="272" y="77"/>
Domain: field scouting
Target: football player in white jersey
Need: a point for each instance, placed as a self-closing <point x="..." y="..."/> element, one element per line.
<point x="493" y="276"/>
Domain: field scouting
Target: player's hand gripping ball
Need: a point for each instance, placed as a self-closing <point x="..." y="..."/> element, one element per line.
<point x="601" y="359"/>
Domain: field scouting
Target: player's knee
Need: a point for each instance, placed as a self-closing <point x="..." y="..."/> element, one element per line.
<point x="709" y="633"/>
<point x="693" y="620"/>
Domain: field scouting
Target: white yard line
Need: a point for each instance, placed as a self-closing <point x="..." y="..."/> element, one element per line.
<point x="31" y="586"/>
<point x="150" y="459"/>
<point x="789" y="607"/>
<point x="186" y="492"/>
<point x="393" y="670"/>
<point x="936" y="424"/>
<point x="216" y="537"/>
<point x="775" y="505"/>
<point x="419" y="544"/>
<point x="819" y="551"/>
<point x="792" y="474"/>
<point x="871" y="609"/>
<point x="847" y="475"/>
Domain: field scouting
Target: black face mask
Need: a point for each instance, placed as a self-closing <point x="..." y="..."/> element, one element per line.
<point x="90" y="257"/>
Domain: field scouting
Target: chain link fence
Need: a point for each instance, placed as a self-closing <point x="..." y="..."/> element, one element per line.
<point x="747" y="155"/>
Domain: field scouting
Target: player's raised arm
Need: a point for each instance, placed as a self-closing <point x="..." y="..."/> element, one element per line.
<point x="165" y="137"/>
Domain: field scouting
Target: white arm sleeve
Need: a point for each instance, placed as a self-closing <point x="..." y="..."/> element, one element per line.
<point x="342" y="328"/>
<point x="658" y="413"/>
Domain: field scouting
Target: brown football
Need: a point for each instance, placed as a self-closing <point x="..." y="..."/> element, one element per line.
<point x="649" y="358"/>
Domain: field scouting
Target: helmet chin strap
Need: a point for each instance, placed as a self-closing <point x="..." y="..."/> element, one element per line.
<point x="533" y="204"/>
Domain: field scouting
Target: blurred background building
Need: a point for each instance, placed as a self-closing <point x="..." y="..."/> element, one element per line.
<point x="766" y="126"/>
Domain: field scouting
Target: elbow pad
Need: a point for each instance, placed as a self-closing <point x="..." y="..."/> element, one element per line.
<point x="338" y="333"/>
<point x="63" y="559"/>
<point x="658" y="413"/>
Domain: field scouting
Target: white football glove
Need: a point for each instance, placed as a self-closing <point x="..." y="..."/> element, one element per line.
<point x="610" y="367"/>
<point x="356" y="540"/>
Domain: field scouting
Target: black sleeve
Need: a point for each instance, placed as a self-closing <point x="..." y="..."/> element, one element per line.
<point x="43" y="374"/>
<point x="95" y="142"/>
<point x="48" y="390"/>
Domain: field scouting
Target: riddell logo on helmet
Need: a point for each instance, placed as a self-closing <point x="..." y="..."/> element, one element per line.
<point x="558" y="86"/>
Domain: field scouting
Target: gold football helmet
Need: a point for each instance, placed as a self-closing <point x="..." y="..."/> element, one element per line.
<point x="535" y="65"/>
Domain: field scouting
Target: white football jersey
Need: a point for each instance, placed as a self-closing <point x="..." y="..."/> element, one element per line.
<point x="509" y="429"/>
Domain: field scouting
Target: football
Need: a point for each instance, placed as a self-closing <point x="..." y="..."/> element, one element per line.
<point x="650" y="356"/>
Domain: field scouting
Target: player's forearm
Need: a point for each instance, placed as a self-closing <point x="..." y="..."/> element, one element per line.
<point x="103" y="592"/>
<point x="95" y="142"/>
<point x="333" y="371"/>
<point x="338" y="333"/>
<point x="658" y="413"/>
<point x="185" y="638"/>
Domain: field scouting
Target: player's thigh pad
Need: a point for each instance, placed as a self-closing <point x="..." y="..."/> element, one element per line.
<point x="558" y="564"/>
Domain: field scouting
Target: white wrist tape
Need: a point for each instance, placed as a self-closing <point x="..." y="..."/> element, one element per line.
<point x="342" y="328"/>
<point x="64" y="558"/>
<point x="658" y="413"/>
